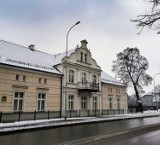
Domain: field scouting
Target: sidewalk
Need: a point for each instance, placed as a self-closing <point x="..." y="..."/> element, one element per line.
<point x="6" y="128"/>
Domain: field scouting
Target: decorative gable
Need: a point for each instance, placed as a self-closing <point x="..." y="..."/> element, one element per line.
<point x="82" y="56"/>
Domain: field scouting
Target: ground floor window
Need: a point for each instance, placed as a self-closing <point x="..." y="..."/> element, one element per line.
<point x="83" y="102"/>
<point x="70" y="102"/>
<point x="18" y="101"/>
<point x="41" y="101"/>
<point x="110" y="103"/>
<point x="95" y="103"/>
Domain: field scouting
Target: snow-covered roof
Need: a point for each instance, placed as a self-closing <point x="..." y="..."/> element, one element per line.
<point x="20" y="56"/>
<point x="58" y="57"/>
<point x="105" y="78"/>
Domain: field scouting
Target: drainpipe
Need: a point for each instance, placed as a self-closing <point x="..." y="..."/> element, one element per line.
<point x="61" y="89"/>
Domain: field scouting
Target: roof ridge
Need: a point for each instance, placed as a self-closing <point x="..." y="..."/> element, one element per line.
<point x="13" y="43"/>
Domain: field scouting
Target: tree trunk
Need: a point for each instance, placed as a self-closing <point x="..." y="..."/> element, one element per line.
<point x="140" y="107"/>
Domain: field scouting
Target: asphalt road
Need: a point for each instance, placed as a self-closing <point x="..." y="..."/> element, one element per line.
<point x="89" y="134"/>
<point x="146" y="135"/>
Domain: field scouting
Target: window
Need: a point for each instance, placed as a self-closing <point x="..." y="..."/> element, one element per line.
<point x="70" y="102"/>
<point x="45" y="81"/>
<point x="17" y="77"/>
<point x="83" y="102"/>
<point x="110" y="103"/>
<point x="94" y="79"/>
<point x="20" y="78"/>
<point x="95" y="103"/>
<point x="18" y="101"/>
<point x="81" y="56"/>
<point x="117" y="90"/>
<point x="42" y="81"/>
<point x="118" y="103"/>
<point x="83" y="78"/>
<point x="71" y="76"/>
<point x="86" y="58"/>
<point x="109" y="89"/>
<point x="41" y="101"/>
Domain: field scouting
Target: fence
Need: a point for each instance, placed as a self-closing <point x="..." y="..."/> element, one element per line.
<point x="21" y="116"/>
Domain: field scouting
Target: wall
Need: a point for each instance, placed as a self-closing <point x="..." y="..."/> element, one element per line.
<point x="106" y="94"/>
<point x="31" y="87"/>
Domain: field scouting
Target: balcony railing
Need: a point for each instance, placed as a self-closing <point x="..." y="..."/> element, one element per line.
<point x="88" y="86"/>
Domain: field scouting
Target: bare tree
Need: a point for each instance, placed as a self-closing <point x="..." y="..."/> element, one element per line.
<point x="157" y="89"/>
<point x="130" y="67"/>
<point x="150" y="19"/>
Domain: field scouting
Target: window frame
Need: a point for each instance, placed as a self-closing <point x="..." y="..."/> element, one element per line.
<point x="84" y="78"/>
<point x="95" y="103"/>
<point x="94" y="78"/>
<point x="81" y="57"/>
<point x="18" y="100"/>
<point x="71" y="76"/>
<point x="83" y="102"/>
<point x="70" y="102"/>
<point x="41" y="101"/>
<point x="85" y="57"/>
<point x="118" y="103"/>
<point x="110" y="90"/>
<point x="110" y="103"/>
<point x="20" y="78"/>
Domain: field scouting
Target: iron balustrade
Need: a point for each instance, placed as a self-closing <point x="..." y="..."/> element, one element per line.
<point x="89" y="86"/>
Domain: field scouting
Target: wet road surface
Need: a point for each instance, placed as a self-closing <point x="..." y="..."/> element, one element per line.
<point x="69" y="133"/>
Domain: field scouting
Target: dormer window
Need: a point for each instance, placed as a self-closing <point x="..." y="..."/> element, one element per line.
<point x="81" y="56"/>
<point x="85" y="58"/>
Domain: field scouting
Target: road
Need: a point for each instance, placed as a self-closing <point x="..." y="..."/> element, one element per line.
<point x="62" y="135"/>
<point x="143" y="138"/>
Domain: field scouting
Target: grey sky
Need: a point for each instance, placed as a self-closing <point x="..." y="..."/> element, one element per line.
<point x="105" y="24"/>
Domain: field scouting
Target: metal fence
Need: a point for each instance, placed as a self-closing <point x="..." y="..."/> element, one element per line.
<point x="21" y="116"/>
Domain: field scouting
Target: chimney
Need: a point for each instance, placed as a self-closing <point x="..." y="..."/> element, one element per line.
<point x="84" y="43"/>
<point x="31" y="47"/>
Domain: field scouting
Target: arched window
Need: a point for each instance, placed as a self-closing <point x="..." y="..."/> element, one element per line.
<point x="81" y="56"/>
<point x="86" y="58"/>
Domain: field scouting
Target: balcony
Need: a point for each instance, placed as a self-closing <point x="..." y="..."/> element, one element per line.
<point x="88" y="86"/>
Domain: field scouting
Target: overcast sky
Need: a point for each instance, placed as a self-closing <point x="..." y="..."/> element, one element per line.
<point x="105" y="24"/>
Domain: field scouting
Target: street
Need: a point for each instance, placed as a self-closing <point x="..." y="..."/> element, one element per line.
<point x="140" y="138"/>
<point x="72" y="133"/>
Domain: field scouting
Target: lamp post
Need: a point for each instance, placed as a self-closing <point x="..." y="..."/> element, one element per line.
<point x="65" y="111"/>
<point x="154" y="90"/>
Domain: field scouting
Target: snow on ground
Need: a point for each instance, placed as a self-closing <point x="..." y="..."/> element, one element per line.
<point x="6" y="127"/>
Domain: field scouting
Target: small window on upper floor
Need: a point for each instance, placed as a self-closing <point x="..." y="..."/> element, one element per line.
<point x="81" y="56"/>
<point x="45" y="81"/>
<point x="42" y="81"/>
<point x="117" y="90"/>
<point x="86" y="58"/>
<point x="21" y="78"/>
<point x="109" y="89"/>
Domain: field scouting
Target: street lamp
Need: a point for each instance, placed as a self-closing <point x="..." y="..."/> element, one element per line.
<point x="154" y="90"/>
<point x="66" y="68"/>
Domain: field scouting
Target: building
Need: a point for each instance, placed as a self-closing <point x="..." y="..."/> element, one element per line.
<point x="33" y="80"/>
<point x="114" y="97"/>
<point x="150" y="101"/>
